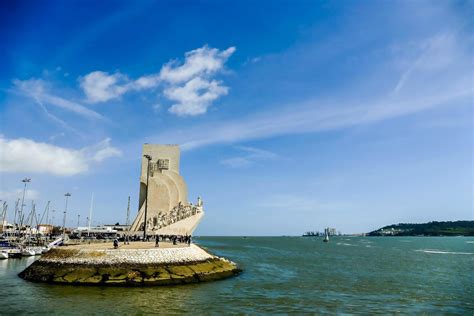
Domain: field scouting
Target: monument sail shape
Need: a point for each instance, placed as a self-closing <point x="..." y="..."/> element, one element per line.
<point x="168" y="209"/>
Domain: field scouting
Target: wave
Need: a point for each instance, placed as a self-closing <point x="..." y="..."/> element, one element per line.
<point x="344" y="244"/>
<point x="444" y="252"/>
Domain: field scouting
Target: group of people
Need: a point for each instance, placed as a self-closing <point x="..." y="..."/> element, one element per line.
<point x="175" y="239"/>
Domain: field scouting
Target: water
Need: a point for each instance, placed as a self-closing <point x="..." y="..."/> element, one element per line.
<point x="283" y="275"/>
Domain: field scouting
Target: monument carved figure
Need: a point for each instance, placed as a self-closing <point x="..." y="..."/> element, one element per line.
<point x="168" y="209"/>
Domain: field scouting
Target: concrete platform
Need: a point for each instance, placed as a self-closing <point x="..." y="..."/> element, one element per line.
<point x="98" y="264"/>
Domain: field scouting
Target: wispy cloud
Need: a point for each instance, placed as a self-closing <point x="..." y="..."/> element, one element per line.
<point x="49" y="158"/>
<point x="311" y="116"/>
<point x="38" y="90"/>
<point x="434" y="54"/>
<point x="189" y="84"/>
<point x="441" y="76"/>
<point x="18" y="193"/>
<point x="248" y="156"/>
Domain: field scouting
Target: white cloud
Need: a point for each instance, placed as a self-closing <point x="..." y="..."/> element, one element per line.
<point x="18" y="194"/>
<point x="190" y="84"/>
<point x="195" y="96"/>
<point x="145" y="82"/>
<point x="100" y="86"/>
<point x="26" y="155"/>
<point x="250" y="156"/>
<point x="201" y="62"/>
<point x="101" y="151"/>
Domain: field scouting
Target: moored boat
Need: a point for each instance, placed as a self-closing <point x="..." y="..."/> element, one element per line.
<point x="3" y="255"/>
<point x="14" y="253"/>
<point x="28" y="252"/>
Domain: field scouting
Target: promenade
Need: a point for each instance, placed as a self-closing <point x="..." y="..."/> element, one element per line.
<point x="132" y="245"/>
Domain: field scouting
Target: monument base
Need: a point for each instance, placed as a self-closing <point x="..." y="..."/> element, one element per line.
<point x="129" y="267"/>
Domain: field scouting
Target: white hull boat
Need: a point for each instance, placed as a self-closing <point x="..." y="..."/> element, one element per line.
<point x="3" y="255"/>
<point x="28" y="253"/>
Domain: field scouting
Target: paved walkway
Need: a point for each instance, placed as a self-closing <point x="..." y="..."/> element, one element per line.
<point x="132" y="245"/>
<point x="108" y="255"/>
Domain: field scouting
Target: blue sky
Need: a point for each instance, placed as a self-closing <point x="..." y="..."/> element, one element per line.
<point x="292" y="115"/>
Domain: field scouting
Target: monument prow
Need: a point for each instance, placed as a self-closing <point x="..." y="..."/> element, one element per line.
<point x="163" y="195"/>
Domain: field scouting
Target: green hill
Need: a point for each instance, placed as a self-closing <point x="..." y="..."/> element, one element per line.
<point x="457" y="228"/>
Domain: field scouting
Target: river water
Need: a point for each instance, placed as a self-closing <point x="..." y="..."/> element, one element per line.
<point x="282" y="275"/>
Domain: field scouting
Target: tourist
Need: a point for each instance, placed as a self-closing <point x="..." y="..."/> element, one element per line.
<point x="157" y="241"/>
<point x="116" y="243"/>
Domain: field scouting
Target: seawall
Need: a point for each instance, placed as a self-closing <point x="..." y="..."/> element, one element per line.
<point x="134" y="267"/>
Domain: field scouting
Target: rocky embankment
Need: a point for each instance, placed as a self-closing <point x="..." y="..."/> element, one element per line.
<point x="129" y="266"/>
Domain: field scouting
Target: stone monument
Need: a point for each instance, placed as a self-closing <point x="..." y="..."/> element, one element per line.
<point x="163" y="210"/>
<point x="163" y="197"/>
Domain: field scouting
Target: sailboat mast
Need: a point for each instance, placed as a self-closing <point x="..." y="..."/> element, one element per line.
<point x="90" y="215"/>
<point x="16" y="212"/>
<point x="4" y="216"/>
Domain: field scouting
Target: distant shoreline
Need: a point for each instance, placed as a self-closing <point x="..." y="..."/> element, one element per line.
<point x="431" y="229"/>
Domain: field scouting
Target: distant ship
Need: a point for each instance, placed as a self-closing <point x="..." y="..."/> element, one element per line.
<point x="326" y="235"/>
<point x="311" y="234"/>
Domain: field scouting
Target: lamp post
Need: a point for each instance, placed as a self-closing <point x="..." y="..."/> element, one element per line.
<point x="67" y="195"/>
<point x="25" y="181"/>
<point x="148" y="157"/>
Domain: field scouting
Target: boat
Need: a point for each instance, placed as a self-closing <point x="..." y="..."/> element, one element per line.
<point x="3" y="255"/>
<point x="38" y="250"/>
<point x="14" y="253"/>
<point x="326" y="235"/>
<point x="28" y="252"/>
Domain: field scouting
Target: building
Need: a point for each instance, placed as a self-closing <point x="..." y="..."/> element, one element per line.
<point x="45" y="229"/>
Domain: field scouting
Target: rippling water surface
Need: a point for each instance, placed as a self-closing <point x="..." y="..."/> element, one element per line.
<point x="283" y="275"/>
